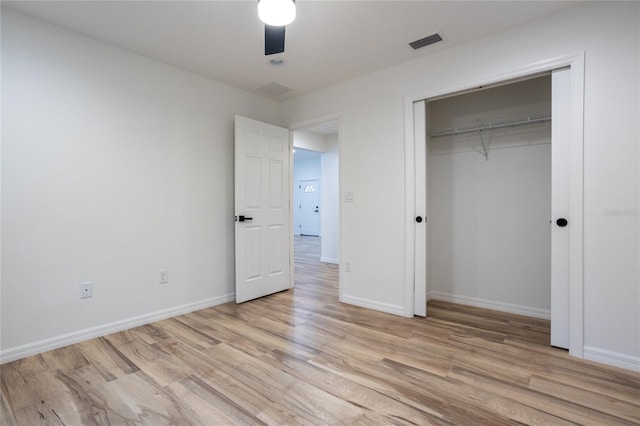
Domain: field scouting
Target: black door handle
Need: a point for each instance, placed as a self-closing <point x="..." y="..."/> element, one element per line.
<point x="419" y="219"/>
<point x="244" y="218"/>
<point x="562" y="222"/>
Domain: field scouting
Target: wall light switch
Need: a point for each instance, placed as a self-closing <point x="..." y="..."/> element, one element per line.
<point x="348" y="197"/>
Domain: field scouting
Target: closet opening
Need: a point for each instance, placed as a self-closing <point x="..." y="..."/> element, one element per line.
<point x="489" y="183"/>
<point x="567" y="187"/>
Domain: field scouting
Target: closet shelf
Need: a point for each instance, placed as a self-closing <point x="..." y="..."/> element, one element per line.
<point x="493" y="125"/>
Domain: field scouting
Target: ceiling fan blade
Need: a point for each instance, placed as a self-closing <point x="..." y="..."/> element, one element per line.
<point x="273" y="39"/>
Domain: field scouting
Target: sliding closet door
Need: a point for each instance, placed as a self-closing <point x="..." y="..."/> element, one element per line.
<point x="420" y="273"/>
<point x="560" y="220"/>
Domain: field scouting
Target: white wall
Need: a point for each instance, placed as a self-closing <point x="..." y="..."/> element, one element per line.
<point x="309" y="140"/>
<point x="304" y="170"/>
<point x="372" y="156"/>
<point x="113" y="166"/>
<point x="329" y="200"/>
<point x="489" y="231"/>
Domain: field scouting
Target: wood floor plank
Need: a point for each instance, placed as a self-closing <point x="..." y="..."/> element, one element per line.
<point x="91" y="399"/>
<point x="395" y="412"/>
<point x="7" y="416"/>
<point x="301" y="357"/>
<point x="205" y="411"/>
<point x="154" y="363"/>
<point x="560" y="408"/>
<point x="610" y="405"/>
<point x="217" y="396"/>
<point x="423" y="397"/>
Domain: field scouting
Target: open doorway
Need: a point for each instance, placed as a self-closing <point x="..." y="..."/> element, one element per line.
<point x="315" y="204"/>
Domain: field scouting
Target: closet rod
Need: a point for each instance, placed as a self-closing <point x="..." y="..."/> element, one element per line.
<point x="489" y="126"/>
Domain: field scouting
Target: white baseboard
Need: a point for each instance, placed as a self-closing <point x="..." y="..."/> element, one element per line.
<point x="330" y="260"/>
<point x="490" y="304"/>
<point x="45" y="345"/>
<point x="373" y="304"/>
<point x="612" y="358"/>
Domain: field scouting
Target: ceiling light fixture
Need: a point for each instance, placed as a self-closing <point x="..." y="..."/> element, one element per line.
<point x="277" y="12"/>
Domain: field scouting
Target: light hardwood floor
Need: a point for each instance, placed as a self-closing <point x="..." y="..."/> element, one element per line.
<point x="300" y="357"/>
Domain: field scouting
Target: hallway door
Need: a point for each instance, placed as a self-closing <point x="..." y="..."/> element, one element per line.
<point x="309" y="207"/>
<point x="262" y="209"/>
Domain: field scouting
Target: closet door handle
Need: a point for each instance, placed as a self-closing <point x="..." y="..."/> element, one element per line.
<point x="562" y="222"/>
<point x="419" y="219"/>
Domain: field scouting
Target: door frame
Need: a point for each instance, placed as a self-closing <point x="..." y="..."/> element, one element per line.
<point x="576" y="142"/>
<point x="299" y="125"/>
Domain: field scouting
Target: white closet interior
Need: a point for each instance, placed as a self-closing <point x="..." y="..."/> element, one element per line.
<point x="489" y="197"/>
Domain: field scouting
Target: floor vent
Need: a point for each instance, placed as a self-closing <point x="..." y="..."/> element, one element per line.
<point x="433" y="38"/>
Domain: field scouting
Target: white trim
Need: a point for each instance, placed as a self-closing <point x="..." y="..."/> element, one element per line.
<point x="576" y="62"/>
<point x="528" y="311"/>
<point x="373" y="304"/>
<point x="330" y="260"/>
<point x="410" y="206"/>
<point x="576" y="209"/>
<point x="612" y="358"/>
<point x="317" y="120"/>
<point x="45" y="345"/>
<point x="292" y="278"/>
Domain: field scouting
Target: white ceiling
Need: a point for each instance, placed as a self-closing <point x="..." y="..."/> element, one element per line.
<point x="329" y="42"/>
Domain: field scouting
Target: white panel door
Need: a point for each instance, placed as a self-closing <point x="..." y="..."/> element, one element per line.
<point x="560" y="221"/>
<point x="262" y="219"/>
<point x="420" y="272"/>
<point x="309" y="207"/>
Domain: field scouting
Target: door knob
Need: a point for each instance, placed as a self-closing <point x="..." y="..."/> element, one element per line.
<point x="562" y="222"/>
<point x="243" y="218"/>
<point x="419" y="219"/>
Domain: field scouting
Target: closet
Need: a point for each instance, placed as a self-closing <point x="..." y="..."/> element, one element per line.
<point x="489" y="193"/>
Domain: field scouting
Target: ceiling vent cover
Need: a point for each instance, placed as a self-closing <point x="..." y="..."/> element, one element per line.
<point x="433" y="38"/>
<point x="273" y="90"/>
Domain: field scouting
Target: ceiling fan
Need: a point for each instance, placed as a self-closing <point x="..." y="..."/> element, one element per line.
<point x="275" y="14"/>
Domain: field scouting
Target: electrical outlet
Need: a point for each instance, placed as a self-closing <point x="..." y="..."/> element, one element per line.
<point x="347" y="266"/>
<point x="164" y="276"/>
<point x="86" y="290"/>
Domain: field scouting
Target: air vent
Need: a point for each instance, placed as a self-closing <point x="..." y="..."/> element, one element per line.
<point x="273" y="90"/>
<point x="433" y="38"/>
